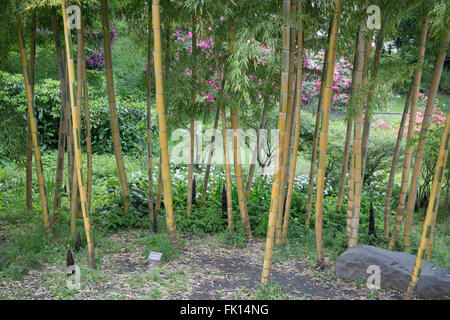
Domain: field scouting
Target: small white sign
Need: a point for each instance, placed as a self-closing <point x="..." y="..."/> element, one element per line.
<point x="155" y="256"/>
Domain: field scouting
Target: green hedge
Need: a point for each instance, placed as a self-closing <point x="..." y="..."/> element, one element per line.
<point x="13" y="109"/>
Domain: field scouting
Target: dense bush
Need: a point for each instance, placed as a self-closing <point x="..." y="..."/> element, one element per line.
<point x="13" y="109"/>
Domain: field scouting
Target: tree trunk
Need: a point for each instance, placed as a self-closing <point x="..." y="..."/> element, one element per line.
<point x="409" y="140"/>
<point x="421" y="144"/>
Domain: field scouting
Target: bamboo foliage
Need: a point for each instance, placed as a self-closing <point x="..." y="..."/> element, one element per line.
<point x="298" y="105"/>
<point x="33" y="128"/>
<point x="433" y="205"/>
<point x="76" y="119"/>
<point x="409" y="139"/>
<point x="160" y="109"/>
<point x="422" y="141"/>
<point x="323" y="137"/>
<point x="112" y="107"/>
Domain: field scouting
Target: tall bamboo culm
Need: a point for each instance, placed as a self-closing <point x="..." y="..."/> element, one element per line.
<point x="192" y="126"/>
<point x="237" y="158"/>
<point x="285" y="135"/>
<point x="433" y="205"/>
<point x="33" y="128"/>
<point x="298" y="105"/>
<point x="323" y="137"/>
<point x="112" y="107"/>
<point x="270" y="238"/>
<point x="76" y="119"/>
<point x="29" y="163"/>
<point x="151" y="211"/>
<point x="87" y="115"/>
<point x="387" y="204"/>
<point x="421" y="144"/>
<point x="210" y="154"/>
<point x="356" y="105"/>
<point x="62" y="135"/>
<point x="344" y="170"/>
<point x="160" y="109"/>
<point x="312" y="167"/>
<point x="223" y="120"/>
<point x="409" y="140"/>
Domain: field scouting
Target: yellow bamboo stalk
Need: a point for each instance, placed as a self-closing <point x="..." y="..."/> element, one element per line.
<point x="285" y="135"/>
<point x="281" y="127"/>
<point x="421" y="144"/>
<point x="227" y="169"/>
<point x="387" y="204"/>
<point x="409" y="140"/>
<point x="112" y="107"/>
<point x="356" y="104"/>
<point x="77" y="139"/>
<point x="251" y="171"/>
<point x="62" y="121"/>
<point x="237" y="159"/>
<point x="191" y="166"/>
<point x="29" y="166"/>
<point x="33" y="128"/>
<point x="344" y="170"/>
<point x="151" y="212"/>
<point x="351" y="194"/>
<point x="210" y="154"/>
<point x="312" y="167"/>
<point x="87" y="116"/>
<point x="298" y="105"/>
<point x="433" y="205"/>
<point x="323" y="138"/>
<point x="165" y="164"/>
<point x="192" y="127"/>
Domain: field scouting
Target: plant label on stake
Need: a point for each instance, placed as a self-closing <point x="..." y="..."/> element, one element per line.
<point x="153" y="256"/>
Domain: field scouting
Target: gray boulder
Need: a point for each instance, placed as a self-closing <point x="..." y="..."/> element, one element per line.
<point x="395" y="270"/>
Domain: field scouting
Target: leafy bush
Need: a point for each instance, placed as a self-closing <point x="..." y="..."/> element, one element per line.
<point x="13" y="109"/>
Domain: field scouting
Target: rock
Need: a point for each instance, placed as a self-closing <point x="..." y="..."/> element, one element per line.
<point x="395" y="270"/>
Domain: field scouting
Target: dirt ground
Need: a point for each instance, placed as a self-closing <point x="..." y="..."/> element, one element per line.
<point x="204" y="270"/>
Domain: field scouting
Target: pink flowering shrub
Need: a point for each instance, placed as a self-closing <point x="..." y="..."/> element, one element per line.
<point x="312" y="65"/>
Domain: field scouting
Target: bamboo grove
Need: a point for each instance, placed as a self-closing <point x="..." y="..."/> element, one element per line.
<point x="285" y="26"/>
